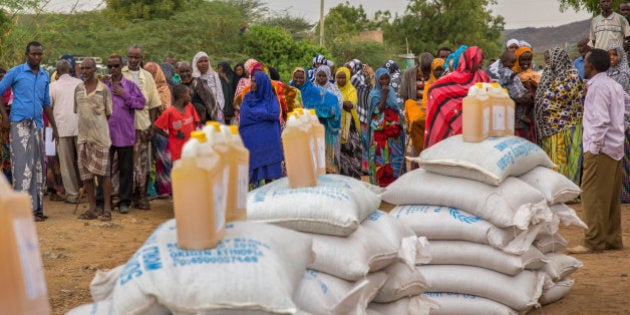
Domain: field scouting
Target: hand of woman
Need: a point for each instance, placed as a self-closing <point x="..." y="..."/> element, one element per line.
<point x="347" y="106"/>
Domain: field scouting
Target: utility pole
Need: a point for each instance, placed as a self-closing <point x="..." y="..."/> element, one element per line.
<point x="321" y="24"/>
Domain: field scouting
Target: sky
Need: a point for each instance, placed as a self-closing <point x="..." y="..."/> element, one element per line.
<point x="517" y="13"/>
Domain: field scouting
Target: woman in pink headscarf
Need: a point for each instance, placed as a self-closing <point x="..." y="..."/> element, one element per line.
<point x="246" y="81"/>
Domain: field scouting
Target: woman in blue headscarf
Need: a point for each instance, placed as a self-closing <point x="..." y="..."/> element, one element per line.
<point x="387" y="139"/>
<point x="326" y="106"/>
<point x="260" y="130"/>
<point x="452" y="61"/>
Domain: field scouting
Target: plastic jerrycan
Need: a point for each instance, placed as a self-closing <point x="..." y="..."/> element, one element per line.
<point x="511" y="113"/>
<point x="198" y="195"/>
<point x="217" y="141"/>
<point x="238" y="184"/>
<point x="476" y="120"/>
<point x="319" y="131"/>
<point x="305" y="119"/>
<point x="498" y="111"/>
<point x="23" y="290"/>
<point x="297" y="153"/>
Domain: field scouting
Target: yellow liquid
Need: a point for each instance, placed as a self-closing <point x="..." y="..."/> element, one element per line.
<point x="319" y="132"/>
<point x="197" y="198"/>
<point x="23" y="289"/>
<point x="475" y="122"/>
<point x="298" y="157"/>
<point x="236" y="208"/>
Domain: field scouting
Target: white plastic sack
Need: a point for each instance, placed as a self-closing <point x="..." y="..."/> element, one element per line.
<point x="455" y="303"/>
<point x="490" y="161"/>
<point x="103" y="283"/>
<point x="402" y="281"/>
<point x="336" y="206"/>
<point x="256" y="267"/>
<point x="554" y="186"/>
<point x="567" y="215"/>
<point x="520" y="292"/>
<point x="447" y="223"/>
<point x="484" y="256"/>
<point x="551" y="243"/>
<point x="513" y="203"/>
<point x="415" y="305"/>
<point x="561" y="266"/>
<point x="105" y="308"/>
<point x="399" y="234"/>
<point x="352" y="258"/>
<point x="320" y="293"/>
<point x="557" y="292"/>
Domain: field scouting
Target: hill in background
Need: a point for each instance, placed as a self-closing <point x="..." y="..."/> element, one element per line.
<point x="544" y="38"/>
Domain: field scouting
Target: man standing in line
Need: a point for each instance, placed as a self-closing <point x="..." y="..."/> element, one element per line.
<point x="583" y="49"/>
<point x="126" y="100"/>
<point x="143" y="121"/>
<point x="603" y="141"/>
<point x="62" y="99"/>
<point x="30" y="85"/>
<point x="608" y="28"/>
<point x="93" y="105"/>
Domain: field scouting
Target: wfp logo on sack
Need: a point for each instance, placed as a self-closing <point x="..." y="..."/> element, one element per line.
<point x="459" y="216"/>
<point x="517" y="148"/>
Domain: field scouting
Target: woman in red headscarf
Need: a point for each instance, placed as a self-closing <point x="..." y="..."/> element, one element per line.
<point x="444" y="107"/>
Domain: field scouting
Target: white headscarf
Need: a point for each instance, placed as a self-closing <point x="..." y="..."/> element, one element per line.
<point x="511" y="42"/>
<point x="212" y="78"/>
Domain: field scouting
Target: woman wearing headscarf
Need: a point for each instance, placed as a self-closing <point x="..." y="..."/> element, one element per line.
<point x="202" y="69"/>
<point x="361" y="83"/>
<point x="444" y="107"/>
<point x="239" y="73"/>
<point x="387" y="137"/>
<point x="318" y="60"/>
<point x="161" y="175"/>
<point x="227" y="85"/>
<point x="260" y="130"/>
<point x="620" y="72"/>
<point x="525" y="124"/>
<point x="452" y="61"/>
<point x="558" y="113"/>
<point x="350" y="138"/>
<point x="169" y="73"/>
<point x="326" y="106"/>
<point x="322" y="80"/>
<point x="394" y="73"/>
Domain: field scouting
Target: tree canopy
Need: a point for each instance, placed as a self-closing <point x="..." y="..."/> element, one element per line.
<point x="590" y="5"/>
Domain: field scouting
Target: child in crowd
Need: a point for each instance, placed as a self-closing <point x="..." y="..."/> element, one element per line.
<point x="178" y="120"/>
<point x="509" y="80"/>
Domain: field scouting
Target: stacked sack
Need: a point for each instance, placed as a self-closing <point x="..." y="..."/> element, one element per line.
<point x="361" y="255"/>
<point x="493" y="235"/>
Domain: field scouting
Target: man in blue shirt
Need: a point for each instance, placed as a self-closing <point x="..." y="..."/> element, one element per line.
<point x="583" y="49"/>
<point x="30" y="84"/>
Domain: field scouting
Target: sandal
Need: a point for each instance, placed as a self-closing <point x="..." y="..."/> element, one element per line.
<point x="88" y="215"/>
<point x="107" y="216"/>
<point x="40" y="218"/>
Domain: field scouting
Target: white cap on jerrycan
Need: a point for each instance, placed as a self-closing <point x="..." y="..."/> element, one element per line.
<point x="474" y="90"/>
<point x="192" y="145"/>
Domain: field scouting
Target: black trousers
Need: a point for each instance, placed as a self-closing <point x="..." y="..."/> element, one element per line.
<point x="125" y="170"/>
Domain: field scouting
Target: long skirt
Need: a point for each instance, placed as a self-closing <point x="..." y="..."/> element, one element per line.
<point x="27" y="157"/>
<point x="565" y="150"/>
<point x="5" y="153"/>
<point x="625" y="170"/>
<point x="351" y="154"/>
<point x="387" y="144"/>
<point x="332" y="152"/>
<point x="365" y="148"/>
<point x="163" y="165"/>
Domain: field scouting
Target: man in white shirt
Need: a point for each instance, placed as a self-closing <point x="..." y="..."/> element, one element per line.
<point x="62" y="100"/>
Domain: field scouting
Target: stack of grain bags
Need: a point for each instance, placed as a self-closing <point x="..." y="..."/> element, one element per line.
<point x="361" y="255"/>
<point x="344" y="256"/>
<point x="491" y="211"/>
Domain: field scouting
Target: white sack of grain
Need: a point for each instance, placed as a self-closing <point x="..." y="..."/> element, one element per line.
<point x="513" y="203"/>
<point x="490" y="161"/>
<point x="336" y="206"/>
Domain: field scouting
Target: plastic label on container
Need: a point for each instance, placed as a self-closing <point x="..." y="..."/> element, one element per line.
<point x="28" y="250"/>
<point x="219" y="200"/>
<point x="226" y="183"/>
<point x="243" y="186"/>
<point x="486" y="121"/>
<point x="511" y="120"/>
<point x="498" y="117"/>
<point x="321" y="150"/>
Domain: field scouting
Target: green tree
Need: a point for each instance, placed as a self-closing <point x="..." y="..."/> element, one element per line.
<point x="345" y="21"/>
<point x="430" y="24"/>
<point x="590" y="5"/>
<point x="144" y="9"/>
<point x="296" y="26"/>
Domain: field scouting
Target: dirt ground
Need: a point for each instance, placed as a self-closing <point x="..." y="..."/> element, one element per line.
<point x="72" y="251"/>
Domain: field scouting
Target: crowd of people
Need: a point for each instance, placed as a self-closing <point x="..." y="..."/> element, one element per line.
<point x="128" y="127"/>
